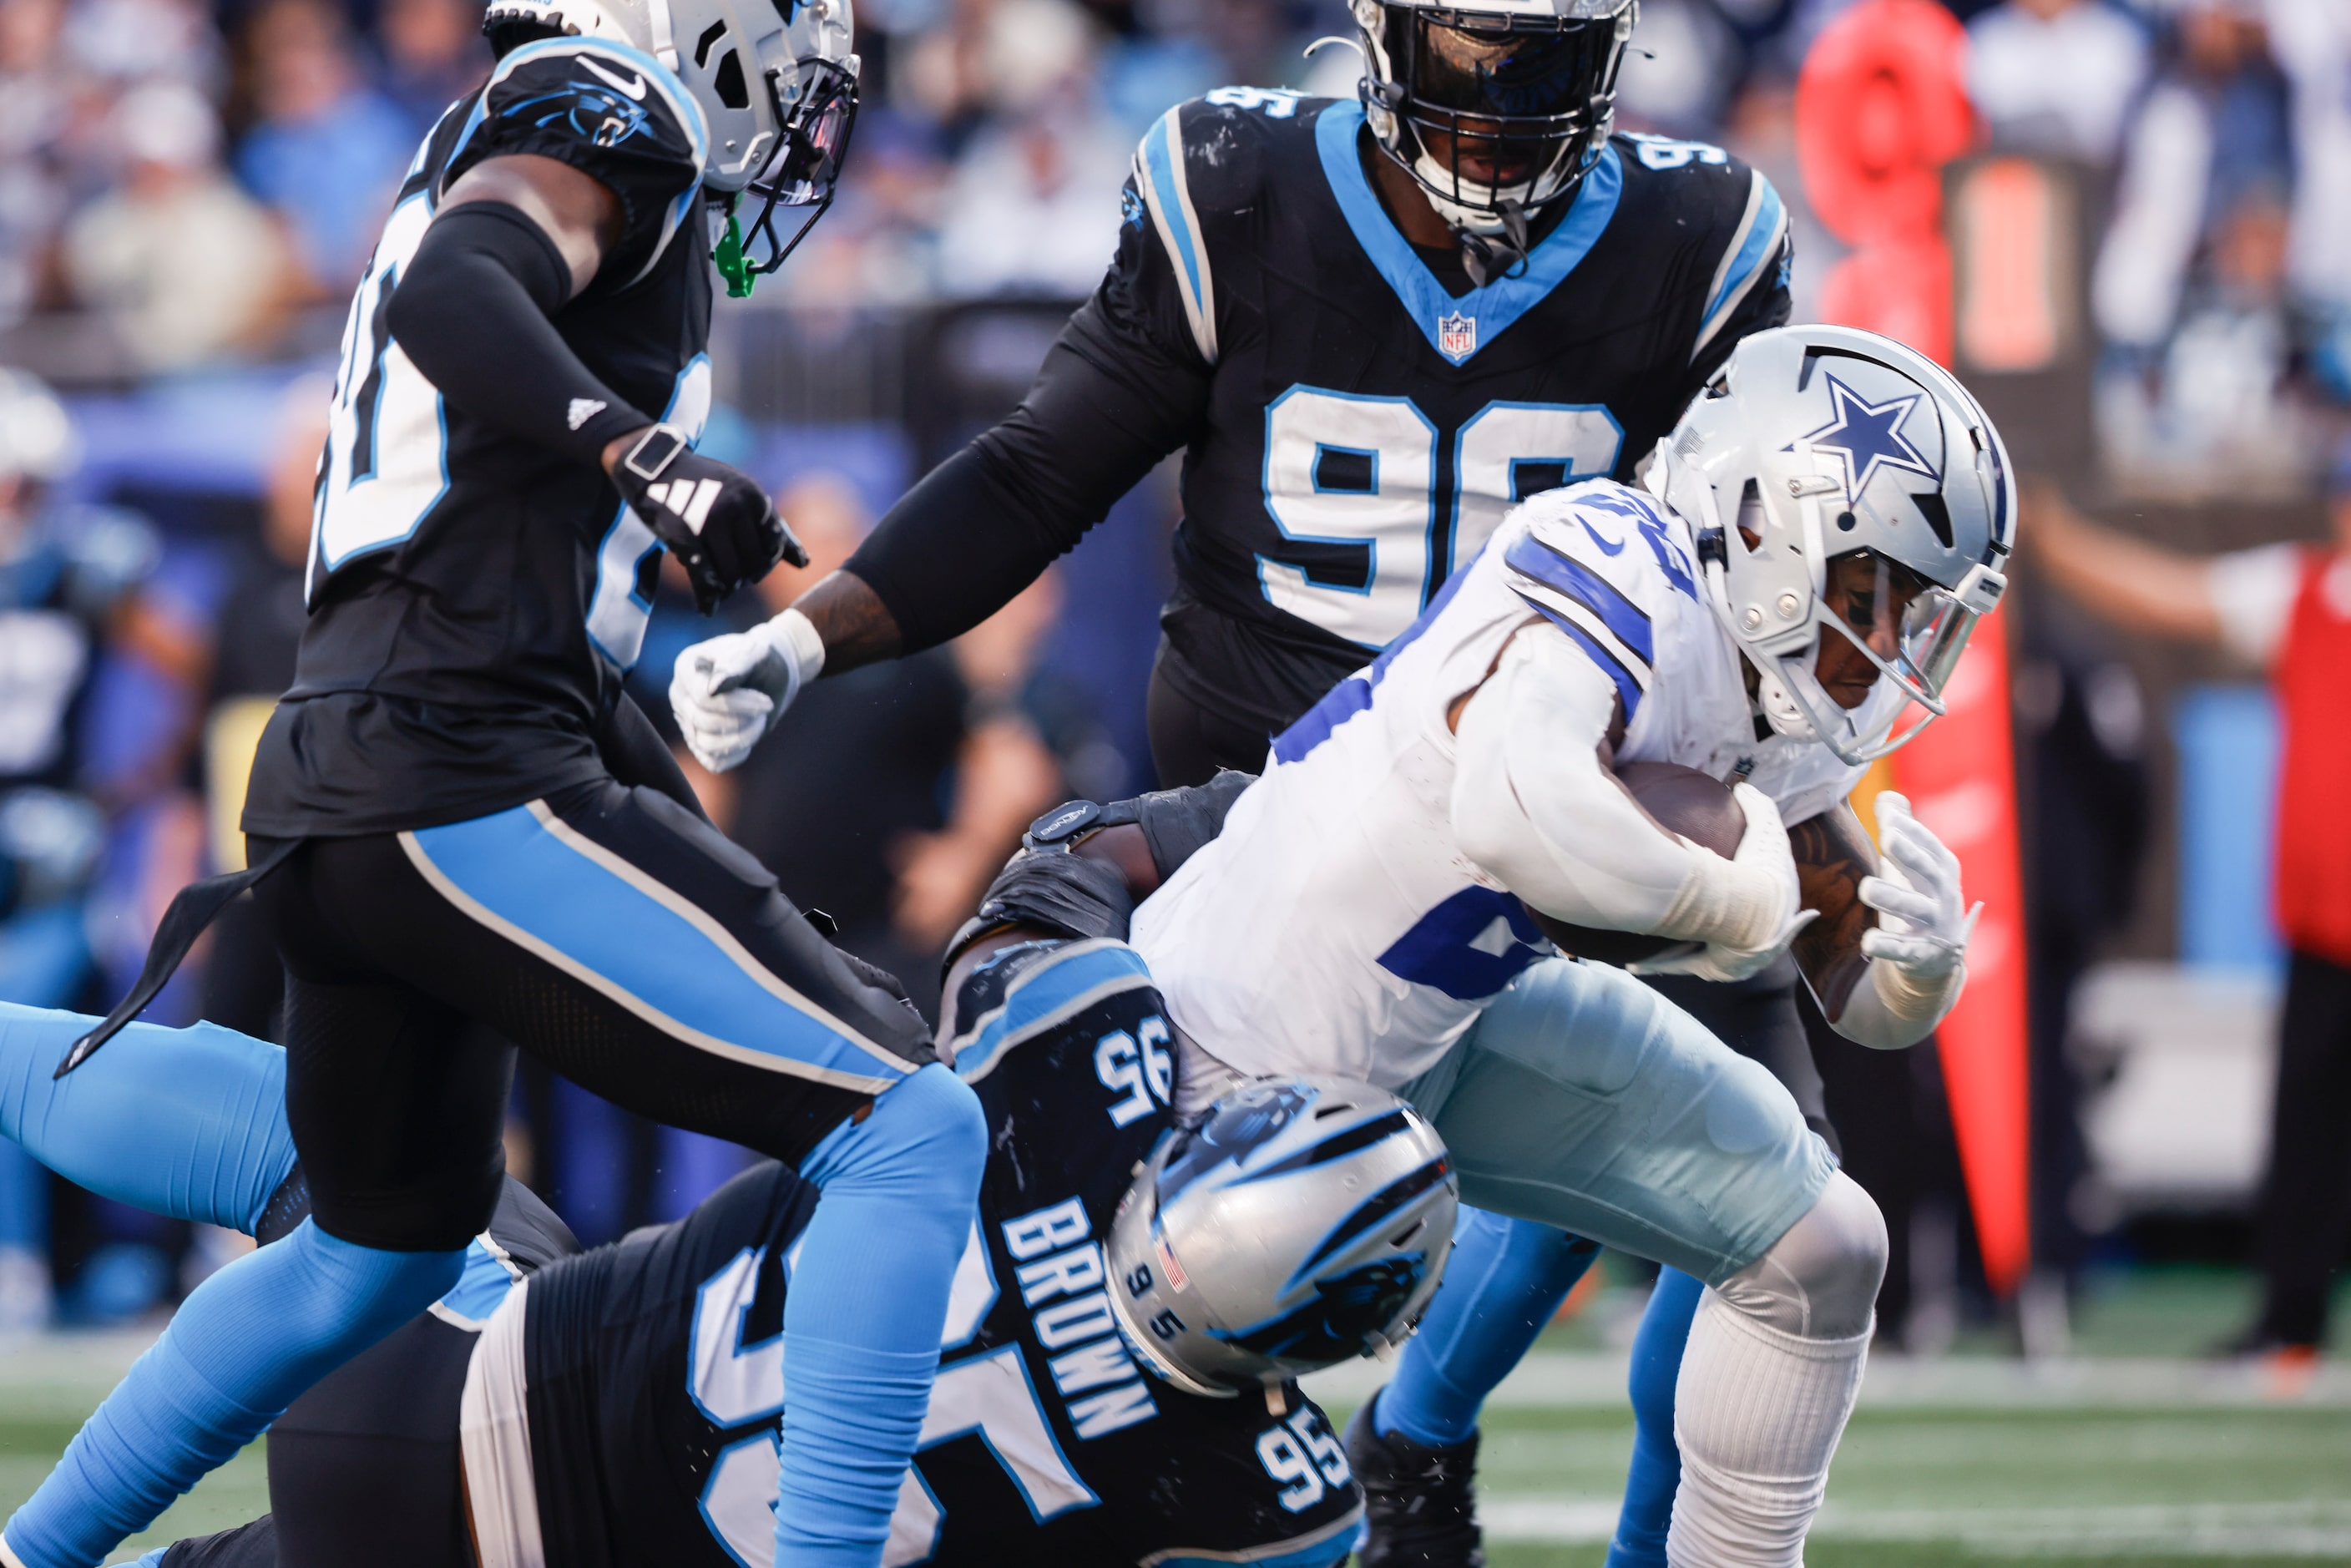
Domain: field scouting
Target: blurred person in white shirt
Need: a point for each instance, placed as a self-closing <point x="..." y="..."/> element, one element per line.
<point x="182" y="267"/>
<point x="2312" y="40"/>
<point x="2056" y="76"/>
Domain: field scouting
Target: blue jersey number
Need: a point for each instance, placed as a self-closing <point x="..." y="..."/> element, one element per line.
<point x="1469" y="946"/>
<point x="1371" y="522"/>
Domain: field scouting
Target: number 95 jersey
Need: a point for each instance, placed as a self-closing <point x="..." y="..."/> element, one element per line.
<point x="1367" y="424"/>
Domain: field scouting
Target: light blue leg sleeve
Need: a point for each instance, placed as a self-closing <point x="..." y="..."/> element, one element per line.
<point x="242" y="1346"/>
<point x="868" y="1300"/>
<point x="188" y="1123"/>
<point x="1657" y="1469"/>
<point x="1505" y="1281"/>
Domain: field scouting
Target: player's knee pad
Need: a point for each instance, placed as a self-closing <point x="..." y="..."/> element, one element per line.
<point x="1820" y="1279"/>
<point x="926" y="1136"/>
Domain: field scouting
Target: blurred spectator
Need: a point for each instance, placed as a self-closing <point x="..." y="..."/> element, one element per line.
<point x="434" y="53"/>
<point x="2210" y="134"/>
<point x="2287" y="610"/>
<point x="1005" y="774"/>
<point x="2081" y="722"/>
<point x="33" y="110"/>
<point x="2056" y="76"/>
<point x="1684" y="66"/>
<point x="887" y="797"/>
<point x="994" y="57"/>
<point x="138" y="40"/>
<point x="2190" y="285"/>
<point x="179" y="264"/>
<point x="1032" y="208"/>
<point x="326" y="150"/>
<point x="2311" y="39"/>
<point x="66" y="572"/>
<point x="252" y="664"/>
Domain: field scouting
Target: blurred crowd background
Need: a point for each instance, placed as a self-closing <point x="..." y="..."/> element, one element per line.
<point x="188" y="189"/>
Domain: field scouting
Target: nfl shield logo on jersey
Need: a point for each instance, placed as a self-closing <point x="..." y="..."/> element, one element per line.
<point x="1456" y="336"/>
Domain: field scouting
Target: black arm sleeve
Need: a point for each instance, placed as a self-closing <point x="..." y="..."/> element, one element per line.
<point x="1107" y="405"/>
<point x="472" y="312"/>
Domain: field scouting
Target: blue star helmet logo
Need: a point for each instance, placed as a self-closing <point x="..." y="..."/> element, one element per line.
<point x="1867" y="437"/>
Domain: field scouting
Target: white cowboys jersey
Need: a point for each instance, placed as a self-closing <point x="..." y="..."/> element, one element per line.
<point x="1334" y="926"/>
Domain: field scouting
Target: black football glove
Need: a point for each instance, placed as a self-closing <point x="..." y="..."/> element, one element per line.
<point x="716" y="520"/>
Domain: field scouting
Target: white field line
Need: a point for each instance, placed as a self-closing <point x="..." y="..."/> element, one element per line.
<point x="2308" y="1529"/>
<point x="1553" y="1380"/>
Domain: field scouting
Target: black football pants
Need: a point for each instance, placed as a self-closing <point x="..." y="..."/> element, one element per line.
<point x="608" y="931"/>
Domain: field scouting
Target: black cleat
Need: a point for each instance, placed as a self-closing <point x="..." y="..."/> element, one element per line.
<point x="1420" y="1507"/>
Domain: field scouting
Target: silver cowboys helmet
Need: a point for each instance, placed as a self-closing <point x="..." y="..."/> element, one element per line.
<point x="1302" y="1222"/>
<point x="775" y="79"/>
<point x="1814" y="444"/>
<point x="1498" y="107"/>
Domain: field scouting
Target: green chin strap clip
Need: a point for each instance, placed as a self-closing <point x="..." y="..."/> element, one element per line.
<point x="729" y="259"/>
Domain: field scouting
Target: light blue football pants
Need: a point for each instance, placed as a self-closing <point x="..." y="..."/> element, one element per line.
<point x="1585" y="1100"/>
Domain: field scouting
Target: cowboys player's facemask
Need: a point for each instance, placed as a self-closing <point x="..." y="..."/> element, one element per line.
<point x="1496" y="115"/>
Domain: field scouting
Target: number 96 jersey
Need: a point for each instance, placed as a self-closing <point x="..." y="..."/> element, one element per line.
<point x="1365" y="424"/>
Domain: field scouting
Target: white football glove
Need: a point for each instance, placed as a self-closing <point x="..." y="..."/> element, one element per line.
<point x="728" y="692"/>
<point x="1923" y="922"/>
<point x="1742" y="913"/>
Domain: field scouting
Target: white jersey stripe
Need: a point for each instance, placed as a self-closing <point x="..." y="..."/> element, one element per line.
<point x="1761" y="231"/>
<point x="1159" y="175"/>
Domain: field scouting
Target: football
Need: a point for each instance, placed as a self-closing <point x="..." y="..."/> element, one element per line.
<point x="1696" y="805"/>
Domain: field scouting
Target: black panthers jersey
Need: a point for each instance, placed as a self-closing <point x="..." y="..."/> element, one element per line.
<point x="1365" y="426"/>
<point x="473" y="596"/>
<point x="656" y="1375"/>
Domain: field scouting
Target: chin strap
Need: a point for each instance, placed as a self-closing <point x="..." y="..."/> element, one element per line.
<point x="1490" y="258"/>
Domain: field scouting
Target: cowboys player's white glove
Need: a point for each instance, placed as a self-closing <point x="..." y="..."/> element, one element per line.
<point x="1747" y="907"/>
<point x="1923" y="921"/>
<point x="1917" y="951"/>
<point x="728" y="692"/>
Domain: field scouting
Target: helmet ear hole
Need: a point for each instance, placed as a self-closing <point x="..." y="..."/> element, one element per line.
<point x="1937" y="513"/>
<point x="728" y="83"/>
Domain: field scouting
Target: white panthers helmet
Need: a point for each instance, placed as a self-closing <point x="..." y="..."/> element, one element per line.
<point x="1814" y="443"/>
<point x="776" y="80"/>
<point x="1526" y="86"/>
<point x="37" y="440"/>
<point x="1302" y="1222"/>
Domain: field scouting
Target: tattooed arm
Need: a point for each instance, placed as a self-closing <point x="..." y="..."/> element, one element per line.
<point x="856" y="626"/>
<point x="1832" y="855"/>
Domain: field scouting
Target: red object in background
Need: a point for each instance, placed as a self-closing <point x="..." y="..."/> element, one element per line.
<point x="1961" y="778"/>
<point x="1899" y="288"/>
<point x="1881" y="107"/>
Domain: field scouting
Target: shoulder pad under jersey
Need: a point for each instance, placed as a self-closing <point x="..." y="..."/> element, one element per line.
<point x="1705" y="189"/>
<point x="610" y="111"/>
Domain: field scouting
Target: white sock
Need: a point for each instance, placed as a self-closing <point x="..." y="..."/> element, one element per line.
<point x="1758" y="1413"/>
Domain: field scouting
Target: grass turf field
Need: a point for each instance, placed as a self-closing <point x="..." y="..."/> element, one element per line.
<point x="2129" y="1455"/>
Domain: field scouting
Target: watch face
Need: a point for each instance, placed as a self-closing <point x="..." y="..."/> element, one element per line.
<point x="654" y="453"/>
<point x="1062" y="822"/>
